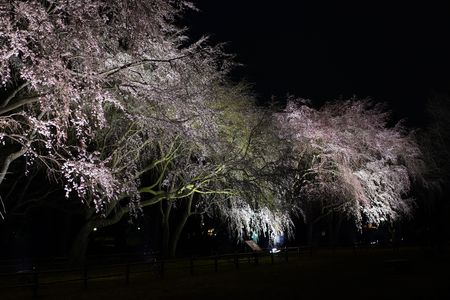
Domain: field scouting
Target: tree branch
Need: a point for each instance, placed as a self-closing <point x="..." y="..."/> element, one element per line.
<point x="21" y="87"/>
<point x="9" y="159"/>
<point x="137" y="63"/>
<point x="21" y="102"/>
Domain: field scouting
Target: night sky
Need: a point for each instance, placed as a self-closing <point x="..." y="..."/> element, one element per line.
<point x="395" y="53"/>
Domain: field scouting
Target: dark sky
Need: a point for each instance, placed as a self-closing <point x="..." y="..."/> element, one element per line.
<point x="396" y="53"/>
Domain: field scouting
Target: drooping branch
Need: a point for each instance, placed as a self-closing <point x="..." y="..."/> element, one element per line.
<point x="137" y="63"/>
<point x="13" y="94"/>
<point x="19" y="103"/>
<point x="8" y="160"/>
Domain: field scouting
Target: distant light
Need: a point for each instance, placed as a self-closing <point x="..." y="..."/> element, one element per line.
<point x="139" y="228"/>
<point x="275" y="250"/>
<point x="95" y="228"/>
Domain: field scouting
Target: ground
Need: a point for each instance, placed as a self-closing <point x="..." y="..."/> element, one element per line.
<point x="340" y="273"/>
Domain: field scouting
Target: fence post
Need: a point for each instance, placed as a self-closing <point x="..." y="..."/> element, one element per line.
<point x="85" y="276"/>
<point x="286" y="254"/>
<point x="127" y="273"/>
<point x="161" y="270"/>
<point x="256" y="258"/>
<point x="216" y="263"/>
<point x="191" y="266"/>
<point x="271" y="257"/>
<point x="35" y="282"/>
<point x="236" y="260"/>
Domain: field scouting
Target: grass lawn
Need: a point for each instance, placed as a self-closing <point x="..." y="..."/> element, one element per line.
<point x="327" y="274"/>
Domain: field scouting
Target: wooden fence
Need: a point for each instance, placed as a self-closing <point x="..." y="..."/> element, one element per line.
<point x="47" y="273"/>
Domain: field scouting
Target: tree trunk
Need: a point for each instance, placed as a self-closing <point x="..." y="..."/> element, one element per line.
<point x="179" y="227"/>
<point x="166" y="228"/>
<point x="336" y="231"/>
<point x="79" y="247"/>
<point x="80" y="244"/>
<point x="330" y="231"/>
<point x="310" y="231"/>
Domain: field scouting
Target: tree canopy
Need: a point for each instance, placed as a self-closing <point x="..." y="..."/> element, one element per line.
<point x="115" y="103"/>
<point x="351" y="160"/>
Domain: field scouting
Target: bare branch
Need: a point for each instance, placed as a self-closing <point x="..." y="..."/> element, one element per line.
<point x="19" y="103"/>
<point x="13" y="94"/>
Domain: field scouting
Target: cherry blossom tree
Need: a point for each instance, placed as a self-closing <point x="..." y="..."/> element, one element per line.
<point x="256" y="171"/>
<point x="222" y="169"/>
<point x="241" y="183"/>
<point x="112" y="99"/>
<point x="97" y="95"/>
<point x="65" y="64"/>
<point x="350" y="161"/>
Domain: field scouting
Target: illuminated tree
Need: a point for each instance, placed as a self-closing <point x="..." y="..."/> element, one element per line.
<point x="254" y="160"/>
<point x="219" y="164"/>
<point x="350" y="161"/>
<point x="101" y="93"/>
<point x="64" y="63"/>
